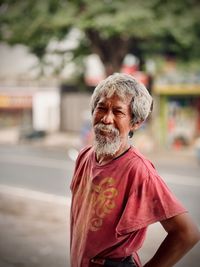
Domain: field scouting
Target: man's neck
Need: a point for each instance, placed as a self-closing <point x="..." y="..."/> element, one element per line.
<point x="104" y="159"/>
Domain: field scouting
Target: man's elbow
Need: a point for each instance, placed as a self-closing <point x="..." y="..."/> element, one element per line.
<point x="188" y="230"/>
<point x="195" y="237"/>
<point x="191" y="237"/>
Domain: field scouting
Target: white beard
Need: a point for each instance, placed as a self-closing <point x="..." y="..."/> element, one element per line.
<point x="106" y="145"/>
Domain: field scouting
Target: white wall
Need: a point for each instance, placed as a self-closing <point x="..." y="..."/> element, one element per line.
<point x="46" y="111"/>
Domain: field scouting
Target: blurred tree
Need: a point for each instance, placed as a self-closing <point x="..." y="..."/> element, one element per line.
<point x="111" y="28"/>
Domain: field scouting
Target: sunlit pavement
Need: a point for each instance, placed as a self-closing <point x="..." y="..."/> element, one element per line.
<point x="34" y="229"/>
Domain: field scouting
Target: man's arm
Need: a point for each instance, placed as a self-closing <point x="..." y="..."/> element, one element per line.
<point x="182" y="235"/>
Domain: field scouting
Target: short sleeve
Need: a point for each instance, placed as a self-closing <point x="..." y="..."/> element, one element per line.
<point x="151" y="202"/>
<point x="78" y="165"/>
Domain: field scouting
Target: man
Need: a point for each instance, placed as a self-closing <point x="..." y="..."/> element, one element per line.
<point x="116" y="191"/>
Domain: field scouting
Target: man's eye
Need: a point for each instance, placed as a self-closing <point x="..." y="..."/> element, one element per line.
<point x="118" y="112"/>
<point x="101" y="108"/>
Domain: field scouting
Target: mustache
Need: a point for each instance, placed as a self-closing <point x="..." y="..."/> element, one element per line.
<point x="110" y="128"/>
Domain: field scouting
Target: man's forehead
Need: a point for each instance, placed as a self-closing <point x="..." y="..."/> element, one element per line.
<point x="114" y="98"/>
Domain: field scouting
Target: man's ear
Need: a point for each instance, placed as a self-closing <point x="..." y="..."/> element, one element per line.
<point x="136" y="126"/>
<point x="133" y="128"/>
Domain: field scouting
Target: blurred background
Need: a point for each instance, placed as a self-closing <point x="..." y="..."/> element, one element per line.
<point x="52" y="55"/>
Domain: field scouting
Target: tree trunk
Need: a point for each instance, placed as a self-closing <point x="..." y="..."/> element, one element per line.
<point x="111" y="51"/>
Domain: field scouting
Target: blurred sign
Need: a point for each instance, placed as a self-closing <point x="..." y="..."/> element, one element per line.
<point x="177" y="89"/>
<point x="15" y="101"/>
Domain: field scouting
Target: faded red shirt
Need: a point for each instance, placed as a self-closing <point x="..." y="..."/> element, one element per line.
<point x="113" y="204"/>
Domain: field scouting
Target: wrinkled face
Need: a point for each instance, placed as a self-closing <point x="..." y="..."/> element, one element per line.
<point x="112" y="124"/>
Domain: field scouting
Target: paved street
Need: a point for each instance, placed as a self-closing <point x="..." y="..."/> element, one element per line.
<point x="36" y="169"/>
<point x="34" y="230"/>
<point x="35" y="199"/>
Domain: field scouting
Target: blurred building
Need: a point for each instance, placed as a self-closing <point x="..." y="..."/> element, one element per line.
<point x="29" y="104"/>
<point x="177" y="116"/>
<point x="29" y="108"/>
<point x="15" y="105"/>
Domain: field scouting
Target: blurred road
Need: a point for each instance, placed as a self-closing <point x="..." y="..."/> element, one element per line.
<point x="36" y="168"/>
<point x="35" y="199"/>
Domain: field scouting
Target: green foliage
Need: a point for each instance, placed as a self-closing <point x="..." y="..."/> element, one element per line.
<point x="112" y="28"/>
<point x="33" y="23"/>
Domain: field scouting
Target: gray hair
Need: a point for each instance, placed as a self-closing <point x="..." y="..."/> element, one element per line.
<point x="125" y="86"/>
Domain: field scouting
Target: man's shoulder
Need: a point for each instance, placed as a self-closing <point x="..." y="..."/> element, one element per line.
<point x="84" y="152"/>
<point x="137" y="155"/>
<point x="139" y="160"/>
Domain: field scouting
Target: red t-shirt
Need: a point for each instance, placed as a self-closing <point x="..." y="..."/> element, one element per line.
<point x="113" y="204"/>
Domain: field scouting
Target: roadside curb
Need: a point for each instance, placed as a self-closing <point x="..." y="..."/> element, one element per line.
<point x="33" y="204"/>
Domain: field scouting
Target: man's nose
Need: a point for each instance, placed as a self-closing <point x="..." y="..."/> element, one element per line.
<point x="108" y="118"/>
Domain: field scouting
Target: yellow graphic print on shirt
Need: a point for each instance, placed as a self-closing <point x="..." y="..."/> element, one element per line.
<point x="103" y="201"/>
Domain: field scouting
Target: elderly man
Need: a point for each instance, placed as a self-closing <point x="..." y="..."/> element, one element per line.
<point x="116" y="191"/>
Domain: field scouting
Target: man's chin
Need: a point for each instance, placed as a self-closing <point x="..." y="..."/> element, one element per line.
<point x="102" y="138"/>
<point x="106" y="148"/>
<point x="105" y="153"/>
